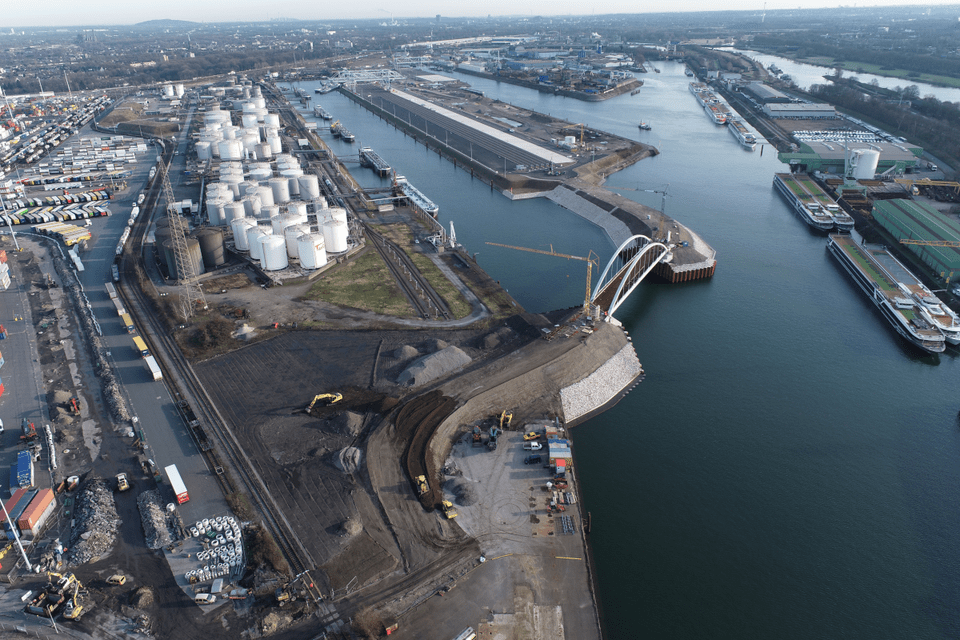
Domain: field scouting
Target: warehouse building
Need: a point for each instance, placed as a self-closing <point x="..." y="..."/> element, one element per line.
<point x="800" y="111"/>
<point x="906" y="219"/>
<point x="765" y="94"/>
<point x="831" y="157"/>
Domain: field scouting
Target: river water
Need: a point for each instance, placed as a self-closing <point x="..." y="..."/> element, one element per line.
<point x="789" y="467"/>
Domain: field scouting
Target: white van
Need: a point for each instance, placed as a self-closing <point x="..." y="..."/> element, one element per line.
<point x="204" y="598"/>
<point x="532" y="446"/>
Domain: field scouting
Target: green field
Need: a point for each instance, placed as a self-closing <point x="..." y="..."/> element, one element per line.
<point x="851" y="67"/>
<point x="364" y="283"/>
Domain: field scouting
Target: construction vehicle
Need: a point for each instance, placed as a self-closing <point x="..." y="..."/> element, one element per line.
<point x="122" y="483"/>
<point x="29" y="431"/>
<point x="48" y="602"/>
<point x="492" y="442"/>
<point x="505" y="419"/>
<point x="73" y="405"/>
<point x="422" y="486"/>
<point x="117" y="580"/>
<point x="73" y="609"/>
<point x="477" y="437"/>
<point x="448" y="511"/>
<point x="327" y="398"/>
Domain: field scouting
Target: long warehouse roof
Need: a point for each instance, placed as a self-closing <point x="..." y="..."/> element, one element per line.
<point x="529" y="147"/>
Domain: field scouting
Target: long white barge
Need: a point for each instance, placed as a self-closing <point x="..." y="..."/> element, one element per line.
<point x="418" y="199"/>
<point x="881" y="276"/>
<point x="807" y="208"/>
<point x="742" y="134"/>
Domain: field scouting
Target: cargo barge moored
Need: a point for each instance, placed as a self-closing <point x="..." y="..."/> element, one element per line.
<point x="814" y="206"/>
<point x="370" y="158"/>
<point x="881" y="277"/>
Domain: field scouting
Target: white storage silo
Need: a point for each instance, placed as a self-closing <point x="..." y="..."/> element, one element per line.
<point x="260" y="171"/>
<point x="233" y="182"/>
<point x="253" y="241"/>
<point x="168" y="90"/>
<point x="263" y="151"/>
<point x="230" y="132"/>
<point x="280" y="222"/>
<point x="266" y="195"/>
<point x="863" y="163"/>
<point x="248" y="120"/>
<point x="335" y="236"/>
<point x="249" y="187"/>
<point x="281" y="190"/>
<point x="250" y="141"/>
<point x="309" y="187"/>
<point x="338" y="213"/>
<point x="230" y="168"/>
<point x="291" y="234"/>
<point x="311" y="251"/>
<point x="275" y="144"/>
<point x="319" y="204"/>
<point x="274" y="253"/>
<point x="251" y="206"/>
<point x="179" y="89"/>
<point x="215" y="211"/>
<point x="240" y="228"/>
<point x="297" y="208"/>
<point x="272" y="120"/>
<point x="259" y="102"/>
<point x="233" y="211"/>
<point x="261" y="113"/>
<point x="268" y="213"/>
<point x="247" y="106"/>
<point x="231" y="149"/>
<point x="203" y="150"/>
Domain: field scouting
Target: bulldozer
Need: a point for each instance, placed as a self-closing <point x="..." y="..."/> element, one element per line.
<point x="505" y="419"/>
<point x="448" y="511"/>
<point x="327" y="399"/>
<point x="422" y="486"/>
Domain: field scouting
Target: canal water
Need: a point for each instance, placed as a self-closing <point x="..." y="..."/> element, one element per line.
<point x="790" y="467"/>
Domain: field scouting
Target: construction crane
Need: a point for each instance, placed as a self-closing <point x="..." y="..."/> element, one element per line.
<point x="661" y="228"/>
<point x="931" y="243"/>
<point x="591" y="259"/>
<point x="574" y="127"/>
<point x="192" y="295"/>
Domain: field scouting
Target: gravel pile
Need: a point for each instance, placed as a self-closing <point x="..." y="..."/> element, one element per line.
<point x="347" y="423"/>
<point x="347" y="460"/>
<point x="464" y="491"/>
<point x="433" y="366"/>
<point x="405" y="352"/>
<point x="600" y="386"/>
<point x="103" y="367"/>
<point x="154" y="519"/>
<point x="95" y="523"/>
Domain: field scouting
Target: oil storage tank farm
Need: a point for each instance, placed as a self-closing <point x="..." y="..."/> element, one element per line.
<point x="311" y="251"/>
<point x="274" y="250"/>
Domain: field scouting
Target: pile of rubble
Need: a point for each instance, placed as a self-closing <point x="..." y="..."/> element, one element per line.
<point x="156" y="522"/>
<point x="602" y="385"/>
<point x="95" y="523"/>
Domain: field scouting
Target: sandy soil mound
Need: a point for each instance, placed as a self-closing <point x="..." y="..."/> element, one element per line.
<point x="348" y="459"/>
<point x="405" y="352"/>
<point x="347" y="423"/>
<point x="433" y="366"/>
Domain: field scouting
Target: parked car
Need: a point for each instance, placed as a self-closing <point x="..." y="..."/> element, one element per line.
<point x="531" y="435"/>
<point x="532" y="446"/>
<point x="534" y="459"/>
<point x="204" y="598"/>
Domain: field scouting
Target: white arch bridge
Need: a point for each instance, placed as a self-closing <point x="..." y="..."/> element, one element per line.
<point x="631" y="263"/>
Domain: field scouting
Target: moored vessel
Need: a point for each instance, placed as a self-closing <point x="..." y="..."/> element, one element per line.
<point x="876" y="272"/>
<point x="742" y="134"/>
<point x="797" y="194"/>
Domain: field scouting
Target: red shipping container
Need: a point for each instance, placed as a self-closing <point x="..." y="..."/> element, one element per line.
<point x="32" y="513"/>
<point x="1" y="389"/>
<point x="3" y="255"/>
<point x="12" y="502"/>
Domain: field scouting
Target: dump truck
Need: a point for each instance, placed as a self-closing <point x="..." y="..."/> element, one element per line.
<point x="447" y="507"/>
<point x="122" y="483"/>
<point x="422" y="486"/>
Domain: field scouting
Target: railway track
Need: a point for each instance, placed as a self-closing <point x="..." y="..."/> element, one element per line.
<point x="424" y="298"/>
<point x="191" y="389"/>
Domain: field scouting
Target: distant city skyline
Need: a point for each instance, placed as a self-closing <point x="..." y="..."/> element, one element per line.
<point x="111" y="12"/>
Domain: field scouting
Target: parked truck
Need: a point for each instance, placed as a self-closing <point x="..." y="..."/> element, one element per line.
<point x="176" y="483"/>
<point x="154" y="368"/>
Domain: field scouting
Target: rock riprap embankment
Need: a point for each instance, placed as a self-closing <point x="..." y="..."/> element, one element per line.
<point x="602" y="385"/>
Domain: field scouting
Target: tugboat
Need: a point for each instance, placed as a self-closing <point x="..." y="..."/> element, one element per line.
<point x="645" y="127"/>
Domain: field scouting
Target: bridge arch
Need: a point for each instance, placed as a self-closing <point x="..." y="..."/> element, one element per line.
<point x="633" y="260"/>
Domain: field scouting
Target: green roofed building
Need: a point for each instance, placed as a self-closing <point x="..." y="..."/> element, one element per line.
<point x="829" y="156"/>
<point x="906" y="219"/>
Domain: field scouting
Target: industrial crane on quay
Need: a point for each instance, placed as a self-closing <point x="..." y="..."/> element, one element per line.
<point x="591" y="259"/>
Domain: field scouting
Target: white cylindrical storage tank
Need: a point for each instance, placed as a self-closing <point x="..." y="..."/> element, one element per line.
<point x="338" y="213"/>
<point x="248" y="120"/>
<point x="248" y="106"/>
<point x="249" y="188"/>
<point x="275" y="144"/>
<point x="274" y="253"/>
<point x="233" y="183"/>
<point x="230" y="132"/>
<point x="280" y="222"/>
<point x="203" y="150"/>
<point x="179" y="89"/>
<point x="215" y="211"/>
<point x="168" y="90"/>
<point x="261" y="113"/>
<point x="291" y="234"/>
<point x="230" y="168"/>
<point x="263" y="151"/>
<point x="260" y="102"/>
<point x="230" y="149"/>
<point x="250" y="141"/>
<point x="311" y="251"/>
<point x="251" y="206"/>
<point x="240" y="228"/>
<point x="261" y="171"/>
<point x="335" y="236"/>
<point x="864" y="163"/>
<point x="254" y="234"/>
<point x="319" y="204"/>
<point x="272" y="120"/>
<point x="268" y="213"/>
<point x="266" y="195"/>
<point x="309" y="187"/>
<point x="281" y="190"/>
<point x="233" y="211"/>
<point x="297" y="208"/>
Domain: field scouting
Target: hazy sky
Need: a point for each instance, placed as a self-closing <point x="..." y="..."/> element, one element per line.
<point x="80" y="12"/>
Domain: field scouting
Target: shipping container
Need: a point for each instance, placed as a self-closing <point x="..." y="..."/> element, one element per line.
<point x="154" y="368"/>
<point x="1" y="359"/>
<point x="128" y="323"/>
<point x="119" y="306"/>
<point x="37" y="512"/>
<point x="176" y="483"/>
<point x="19" y="501"/>
<point x="141" y="346"/>
<point x="111" y="290"/>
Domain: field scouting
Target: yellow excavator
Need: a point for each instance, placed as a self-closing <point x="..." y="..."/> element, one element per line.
<point x="327" y="398"/>
<point x="73" y="609"/>
<point x="505" y="419"/>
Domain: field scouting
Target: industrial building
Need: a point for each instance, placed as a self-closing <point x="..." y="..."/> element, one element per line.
<point x="765" y="94"/>
<point x="800" y="111"/>
<point x="832" y="157"/>
<point x="907" y="219"/>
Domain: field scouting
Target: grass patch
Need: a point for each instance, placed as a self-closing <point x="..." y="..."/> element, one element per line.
<point x="459" y="306"/>
<point x="364" y="283"/>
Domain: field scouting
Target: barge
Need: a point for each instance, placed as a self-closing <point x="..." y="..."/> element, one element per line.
<point x="320" y="112"/>
<point x="742" y="134"/>
<point x="717" y="112"/>
<point x="370" y="158"/>
<point x="810" y="203"/>
<point x="890" y="286"/>
<point x="415" y="197"/>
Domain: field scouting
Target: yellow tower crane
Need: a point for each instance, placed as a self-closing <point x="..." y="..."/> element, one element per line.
<point x="591" y="259"/>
